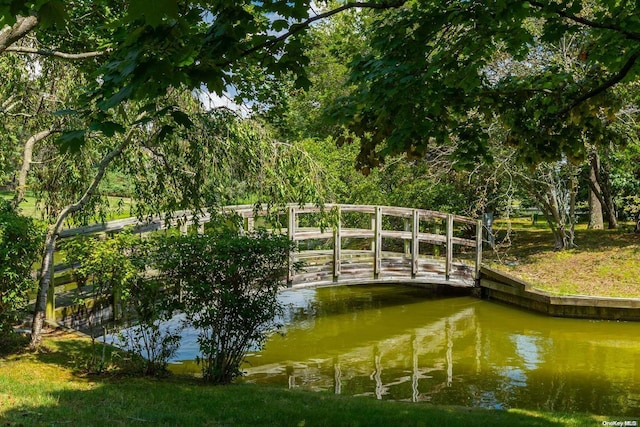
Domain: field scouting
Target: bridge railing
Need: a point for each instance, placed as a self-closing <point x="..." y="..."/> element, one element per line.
<point x="361" y="243"/>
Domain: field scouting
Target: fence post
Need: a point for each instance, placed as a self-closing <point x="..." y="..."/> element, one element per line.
<point x="200" y="229"/>
<point x="50" y="311"/>
<point x="436" y="246"/>
<point x="291" y="233"/>
<point x="373" y="228"/>
<point x="407" y="243"/>
<point x="415" y="243"/>
<point x="377" y="256"/>
<point x="449" y="247"/>
<point x="479" y="226"/>
<point x="337" y="247"/>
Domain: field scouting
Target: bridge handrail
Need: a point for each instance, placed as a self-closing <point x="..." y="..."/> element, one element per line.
<point x="188" y="217"/>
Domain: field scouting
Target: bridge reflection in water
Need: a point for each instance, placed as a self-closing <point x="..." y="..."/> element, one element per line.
<point x="398" y="343"/>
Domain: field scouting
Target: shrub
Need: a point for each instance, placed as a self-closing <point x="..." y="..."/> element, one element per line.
<point x="20" y="245"/>
<point x="115" y="268"/>
<point x="229" y="285"/>
<point x="149" y="308"/>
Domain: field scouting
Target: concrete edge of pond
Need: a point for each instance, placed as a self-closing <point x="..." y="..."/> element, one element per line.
<point x="498" y="286"/>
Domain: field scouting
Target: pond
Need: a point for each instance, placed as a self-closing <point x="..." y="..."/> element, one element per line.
<point x="403" y="343"/>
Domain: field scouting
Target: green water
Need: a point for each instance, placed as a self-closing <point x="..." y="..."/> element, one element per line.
<point x="402" y="343"/>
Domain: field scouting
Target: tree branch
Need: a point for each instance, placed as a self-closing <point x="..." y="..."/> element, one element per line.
<point x="612" y="81"/>
<point x="587" y="22"/>
<point x="26" y="164"/>
<point x="54" y="53"/>
<point x="296" y="28"/>
<point x="19" y="30"/>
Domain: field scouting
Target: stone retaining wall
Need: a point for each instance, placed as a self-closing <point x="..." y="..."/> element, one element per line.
<point x="498" y="286"/>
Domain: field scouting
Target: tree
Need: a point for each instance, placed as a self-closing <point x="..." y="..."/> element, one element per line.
<point x="229" y="285"/>
<point x="596" y="221"/>
<point x="147" y="52"/>
<point x="435" y="70"/>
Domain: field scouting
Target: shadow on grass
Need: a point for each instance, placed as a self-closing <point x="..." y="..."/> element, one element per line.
<point x="526" y="243"/>
<point x="137" y="401"/>
<point x="94" y="361"/>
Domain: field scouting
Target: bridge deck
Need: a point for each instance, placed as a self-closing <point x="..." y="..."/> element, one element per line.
<point x="356" y="267"/>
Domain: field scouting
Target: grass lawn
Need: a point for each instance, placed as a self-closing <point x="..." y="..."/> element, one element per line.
<point x="48" y="388"/>
<point x="604" y="263"/>
<point x="29" y="207"/>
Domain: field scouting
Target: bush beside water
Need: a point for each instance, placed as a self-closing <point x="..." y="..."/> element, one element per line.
<point x="225" y="283"/>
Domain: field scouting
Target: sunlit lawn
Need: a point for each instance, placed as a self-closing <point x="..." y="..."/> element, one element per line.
<point x="604" y="263"/>
<point x="119" y="207"/>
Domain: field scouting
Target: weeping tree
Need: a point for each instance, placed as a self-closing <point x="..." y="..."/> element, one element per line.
<point x="138" y="55"/>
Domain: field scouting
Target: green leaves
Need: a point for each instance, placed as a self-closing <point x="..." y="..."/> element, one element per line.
<point x="20" y="243"/>
<point x="445" y="72"/>
<point x="152" y="14"/>
<point x="72" y="141"/>
<point x="229" y="285"/>
<point x="52" y="13"/>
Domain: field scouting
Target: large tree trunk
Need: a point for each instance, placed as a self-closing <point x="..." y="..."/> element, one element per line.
<point x="603" y="189"/>
<point x="596" y="221"/>
<point x="39" y="312"/>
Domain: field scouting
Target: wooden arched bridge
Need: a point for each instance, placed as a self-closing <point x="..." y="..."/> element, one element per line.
<point x="358" y="244"/>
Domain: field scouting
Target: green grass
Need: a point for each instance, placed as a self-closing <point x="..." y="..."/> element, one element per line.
<point x="29" y="207"/>
<point x="47" y="388"/>
<point x="604" y="263"/>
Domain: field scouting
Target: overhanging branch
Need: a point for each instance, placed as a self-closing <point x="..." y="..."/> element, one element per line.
<point x="22" y="27"/>
<point x="54" y="53"/>
<point x="586" y="22"/>
<point x="612" y="81"/>
<point x="297" y="27"/>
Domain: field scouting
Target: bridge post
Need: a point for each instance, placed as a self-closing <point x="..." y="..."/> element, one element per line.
<point x="436" y="246"/>
<point x="249" y="223"/>
<point x="377" y="256"/>
<point x="479" y="226"/>
<point x="449" y="247"/>
<point x="415" y="243"/>
<point x="50" y="311"/>
<point x="407" y="243"/>
<point x="373" y="229"/>
<point x="200" y="224"/>
<point x="337" y="247"/>
<point x="291" y="233"/>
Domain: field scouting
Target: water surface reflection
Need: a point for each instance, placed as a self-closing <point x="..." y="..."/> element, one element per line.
<point x="402" y="343"/>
